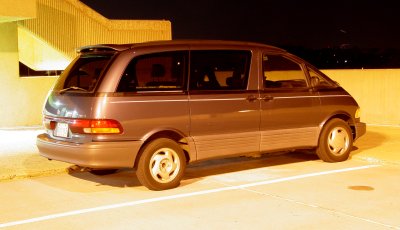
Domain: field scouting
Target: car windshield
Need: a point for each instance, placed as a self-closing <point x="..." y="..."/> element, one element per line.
<point x="83" y="73"/>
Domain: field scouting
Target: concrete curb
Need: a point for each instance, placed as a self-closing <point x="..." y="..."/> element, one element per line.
<point x="19" y="157"/>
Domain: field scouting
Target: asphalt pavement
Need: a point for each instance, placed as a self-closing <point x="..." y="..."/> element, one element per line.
<point x="19" y="157"/>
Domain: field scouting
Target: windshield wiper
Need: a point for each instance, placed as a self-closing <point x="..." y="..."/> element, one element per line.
<point x="72" y="88"/>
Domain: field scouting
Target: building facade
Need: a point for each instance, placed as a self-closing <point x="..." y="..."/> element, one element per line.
<point x="42" y="36"/>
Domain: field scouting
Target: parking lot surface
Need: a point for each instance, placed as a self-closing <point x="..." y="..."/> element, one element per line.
<point x="286" y="191"/>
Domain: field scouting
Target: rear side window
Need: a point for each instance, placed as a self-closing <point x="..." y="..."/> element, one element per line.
<point x="282" y="73"/>
<point x="219" y="69"/>
<point x="155" y="72"/>
<point x="83" y="73"/>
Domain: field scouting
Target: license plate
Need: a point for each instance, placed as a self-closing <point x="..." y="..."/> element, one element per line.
<point x="61" y="130"/>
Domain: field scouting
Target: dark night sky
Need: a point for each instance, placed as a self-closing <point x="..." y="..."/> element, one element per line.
<point x="307" y="23"/>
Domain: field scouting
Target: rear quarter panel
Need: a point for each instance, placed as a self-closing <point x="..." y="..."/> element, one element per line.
<point x="143" y="114"/>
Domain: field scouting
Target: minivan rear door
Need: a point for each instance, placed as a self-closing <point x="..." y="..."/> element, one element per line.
<point x="73" y="94"/>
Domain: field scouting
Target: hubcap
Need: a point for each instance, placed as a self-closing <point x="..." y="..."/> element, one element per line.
<point x="338" y="141"/>
<point x="164" y="165"/>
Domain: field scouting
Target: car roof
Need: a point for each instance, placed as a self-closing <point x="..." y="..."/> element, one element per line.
<point x="190" y="43"/>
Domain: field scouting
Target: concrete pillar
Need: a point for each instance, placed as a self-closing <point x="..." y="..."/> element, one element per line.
<point x="21" y="99"/>
<point x="9" y="72"/>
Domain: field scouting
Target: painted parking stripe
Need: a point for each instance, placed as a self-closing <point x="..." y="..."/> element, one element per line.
<point x="184" y="195"/>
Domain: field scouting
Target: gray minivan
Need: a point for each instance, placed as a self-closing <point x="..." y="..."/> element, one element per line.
<point x="157" y="106"/>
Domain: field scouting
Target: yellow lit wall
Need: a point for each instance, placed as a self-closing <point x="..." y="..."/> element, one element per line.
<point x="376" y="91"/>
<point x="38" y="54"/>
<point x="21" y="99"/>
<point x="14" y="10"/>
<point x="68" y="24"/>
<point x="50" y="35"/>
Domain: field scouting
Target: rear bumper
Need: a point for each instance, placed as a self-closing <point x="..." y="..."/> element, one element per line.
<point x="361" y="129"/>
<point x="92" y="154"/>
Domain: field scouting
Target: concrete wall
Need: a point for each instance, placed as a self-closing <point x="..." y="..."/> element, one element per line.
<point x="14" y="10"/>
<point x="21" y="99"/>
<point x="63" y="25"/>
<point x="68" y="24"/>
<point x="376" y="90"/>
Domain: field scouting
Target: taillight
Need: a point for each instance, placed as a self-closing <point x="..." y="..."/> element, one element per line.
<point x="86" y="126"/>
<point x="96" y="126"/>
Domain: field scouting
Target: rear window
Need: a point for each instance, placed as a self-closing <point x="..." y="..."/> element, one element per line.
<point x="83" y="73"/>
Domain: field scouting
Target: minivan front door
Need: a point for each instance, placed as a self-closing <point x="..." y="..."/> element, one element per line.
<point x="290" y="111"/>
<point x="224" y="114"/>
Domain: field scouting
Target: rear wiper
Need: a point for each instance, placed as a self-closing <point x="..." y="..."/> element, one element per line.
<point x="72" y="88"/>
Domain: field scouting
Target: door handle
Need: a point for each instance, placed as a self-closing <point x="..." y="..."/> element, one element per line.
<point x="268" y="98"/>
<point x="251" y="98"/>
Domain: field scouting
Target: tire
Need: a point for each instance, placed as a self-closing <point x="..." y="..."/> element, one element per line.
<point x="161" y="164"/>
<point x="102" y="172"/>
<point x="335" y="141"/>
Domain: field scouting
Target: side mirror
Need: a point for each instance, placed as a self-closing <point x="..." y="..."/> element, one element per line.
<point x="314" y="81"/>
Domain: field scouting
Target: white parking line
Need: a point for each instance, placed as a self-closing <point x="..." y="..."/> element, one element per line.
<point x="172" y="197"/>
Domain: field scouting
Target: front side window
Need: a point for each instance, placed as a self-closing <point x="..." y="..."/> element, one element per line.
<point x="317" y="80"/>
<point x="282" y="73"/>
<point x="219" y="69"/>
<point x="154" y="72"/>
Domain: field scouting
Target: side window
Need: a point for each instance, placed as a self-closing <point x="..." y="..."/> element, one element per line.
<point x="319" y="81"/>
<point x="219" y="69"/>
<point x="282" y="73"/>
<point x="154" y="72"/>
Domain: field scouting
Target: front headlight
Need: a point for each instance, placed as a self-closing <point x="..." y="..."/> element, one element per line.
<point x="357" y="115"/>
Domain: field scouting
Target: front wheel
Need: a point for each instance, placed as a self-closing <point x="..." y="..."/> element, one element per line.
<point x="161" y="164"/>
<point x="335" y="142"/>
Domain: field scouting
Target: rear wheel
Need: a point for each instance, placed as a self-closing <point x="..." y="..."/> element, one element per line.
<point x="161" y="164"/>
<point x="335" y="141"/>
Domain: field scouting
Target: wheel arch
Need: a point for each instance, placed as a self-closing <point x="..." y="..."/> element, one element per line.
<point x="343" y="116"/>
<point x="172" y="134"/>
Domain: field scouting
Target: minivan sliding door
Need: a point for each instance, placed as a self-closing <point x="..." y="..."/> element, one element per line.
<point x="225" y="116"/>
